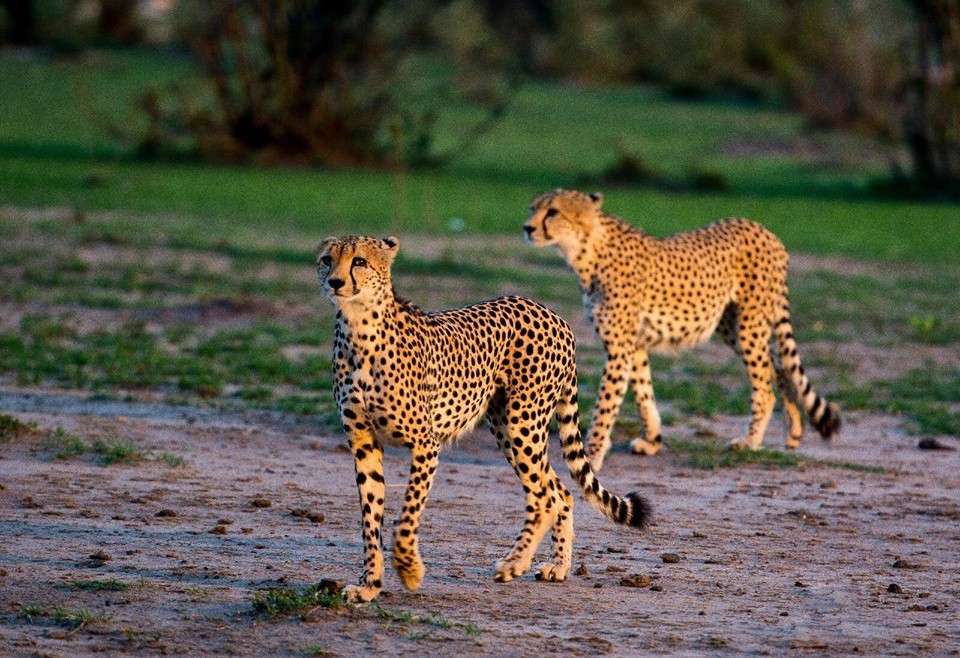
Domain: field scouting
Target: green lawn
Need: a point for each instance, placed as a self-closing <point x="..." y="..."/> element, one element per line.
<point x="53" y="154"/>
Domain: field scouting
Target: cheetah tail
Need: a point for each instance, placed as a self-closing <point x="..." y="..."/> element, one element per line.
<point x="632" y="509"/>
<point x="825" y="416"/>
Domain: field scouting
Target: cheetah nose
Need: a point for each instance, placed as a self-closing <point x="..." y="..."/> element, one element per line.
<point x="336" y="284"/>
<point x="529" y="229"/>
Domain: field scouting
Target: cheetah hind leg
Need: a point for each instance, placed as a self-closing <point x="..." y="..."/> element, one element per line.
<point x="791" y="409"/>
<point x="540" y="505"/>
<point x="557" y="569"/>
<point x="642" y="384"/>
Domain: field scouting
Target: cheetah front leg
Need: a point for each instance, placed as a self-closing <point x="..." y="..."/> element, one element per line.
<point x="613" y="387"/>
<point x="368" y="462"/>
<point x="424" y="457"/>
<point x="651" y="442"/>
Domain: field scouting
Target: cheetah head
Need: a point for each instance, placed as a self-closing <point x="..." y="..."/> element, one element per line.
<point x="355" y="269"/>
<point x="562" y="217"/>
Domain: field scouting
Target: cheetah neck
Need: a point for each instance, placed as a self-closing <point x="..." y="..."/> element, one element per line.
<point x="365" y="323"/>
<point x="581" y="254"/>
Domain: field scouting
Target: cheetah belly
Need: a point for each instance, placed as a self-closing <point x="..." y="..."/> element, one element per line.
<point x="667" y="334"/>
<point x="456" y="412"/>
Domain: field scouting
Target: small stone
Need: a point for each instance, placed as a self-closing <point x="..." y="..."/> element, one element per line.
<point x="670" y="558"/>
<point x="219" y="530"/>
<point x="581" y="570"/>
<point x="923" y="595"/>
<point x="246" y="531"/>
<point x="933" y="444"/>
<point x="799" y="584"/>
<point x="615" y="549"/>
<point x="636" y="580"/>
<point x="100" y="556"/>
<point x="166" y="513"/>
<point x="260" y="503"/>
<point x="224" y="521"/>
<point x="316" y="517"/>
<point x="614" y="569"/>
<point x="829" y="484"/>
<point x="893" y="588"/>
<point x="597" y="585"/>
<point x="656" y="588"/>
<point x="784" y="614"/>
<point x="698" y="535"/>
<point x="900" y="563"/>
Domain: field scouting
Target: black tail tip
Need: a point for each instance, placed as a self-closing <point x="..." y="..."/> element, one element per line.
<point x="640" y="511"/>
<point x="829" y="423"/>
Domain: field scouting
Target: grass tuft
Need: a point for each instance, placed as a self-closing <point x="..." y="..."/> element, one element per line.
<point x="714" y="454"/>
<point x="172" y="460"/>
<point x="12" y="427"/>
<point x="100" y="585"/>
<point x="64" y="445"/>
<point x="117" y="451"/>
<point x="62" y="615"/>
<point x="287" y="601"/>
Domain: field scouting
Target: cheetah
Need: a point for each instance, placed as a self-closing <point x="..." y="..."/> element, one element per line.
<point x="644" y="294"/>
<point x="406" y="377"/>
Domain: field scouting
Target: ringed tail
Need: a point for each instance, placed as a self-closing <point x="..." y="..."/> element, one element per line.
<point x="631" y="510"/>
<point x="824" y="415"/>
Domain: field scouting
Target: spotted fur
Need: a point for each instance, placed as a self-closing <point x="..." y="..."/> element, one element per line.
<point x="644" y="294"/>
<point x="406" y="377"/>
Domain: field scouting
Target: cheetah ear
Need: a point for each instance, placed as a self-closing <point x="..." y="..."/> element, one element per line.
<point x="597" y="198"/>
<point x="324" y="244"/>
<point x="391" y="244"/>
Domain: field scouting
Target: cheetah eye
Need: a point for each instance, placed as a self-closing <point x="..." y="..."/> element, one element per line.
<point x="326" y="260"/>
<point x="551" y="212"/>
<point x="359" y="262"/>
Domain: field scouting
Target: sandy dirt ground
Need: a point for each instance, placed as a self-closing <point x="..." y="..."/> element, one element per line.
<point x="811" y="560"/>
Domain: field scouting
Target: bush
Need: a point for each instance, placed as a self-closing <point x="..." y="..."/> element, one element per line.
<point x="330" y="83"/>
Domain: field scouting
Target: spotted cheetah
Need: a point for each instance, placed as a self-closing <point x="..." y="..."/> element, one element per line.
<point x="406" y="377"/>
<point x="644" y="294"/>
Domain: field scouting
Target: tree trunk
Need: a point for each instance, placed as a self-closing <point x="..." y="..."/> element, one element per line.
<point x="933" y="122"/>
<point x="23" y="21"/>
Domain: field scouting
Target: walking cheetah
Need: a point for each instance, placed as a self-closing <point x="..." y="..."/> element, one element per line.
<point x="406" y="377"/>
<point x="644" y="294"/>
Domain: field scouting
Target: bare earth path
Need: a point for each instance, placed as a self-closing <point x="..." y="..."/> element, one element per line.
<point x="771" y="561"/>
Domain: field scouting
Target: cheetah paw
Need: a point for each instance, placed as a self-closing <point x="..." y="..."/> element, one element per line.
<point x="792" y="443"/>
<point x="360" y="593"/>
<point x="552" y="572"/>
<point x="644" y="447"/>
<point x="411" y="575"/>
<point x="742" y="444"/>
<point x="507" y="570"/>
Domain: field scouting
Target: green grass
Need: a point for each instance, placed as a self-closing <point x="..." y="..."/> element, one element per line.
<point x="52" y="153"/>
<point x="172" y="460"/>
<point x="287" y="601"/>
<point x="711" y="455"/>
<point x="434" y="620"/>
<point x="12" y="427"/>
<point x="117" y="451"/>
<point x="62" y="615"/>
<point x="64" y="445"/>
<point x="929" y="398"/>
<point x="100" y="585"/>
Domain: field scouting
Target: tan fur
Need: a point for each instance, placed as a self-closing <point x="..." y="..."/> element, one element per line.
<point x="420" y="380"/>
<point x="645" y="294"/>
